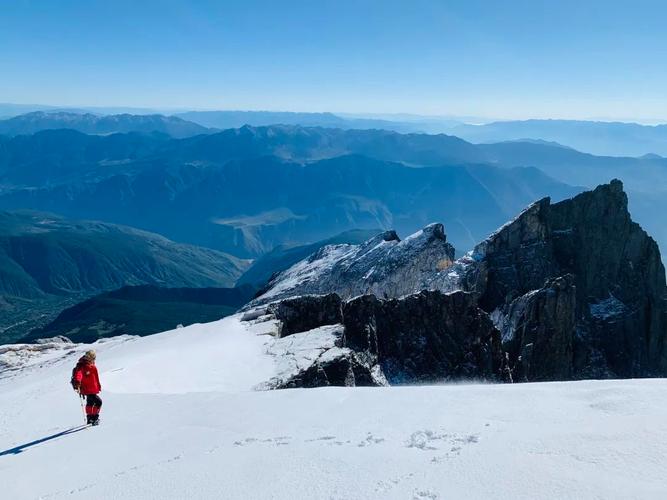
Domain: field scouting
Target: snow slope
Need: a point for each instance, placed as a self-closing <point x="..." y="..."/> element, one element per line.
<point x="181" y="420"/>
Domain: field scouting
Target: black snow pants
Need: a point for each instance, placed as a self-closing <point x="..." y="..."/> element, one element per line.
<point x="93" y="405"/>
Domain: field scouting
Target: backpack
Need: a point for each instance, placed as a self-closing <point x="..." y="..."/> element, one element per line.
<point x="75" y="384"/>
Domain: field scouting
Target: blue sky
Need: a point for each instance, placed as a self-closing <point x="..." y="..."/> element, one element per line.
<point x="497" y="59"/>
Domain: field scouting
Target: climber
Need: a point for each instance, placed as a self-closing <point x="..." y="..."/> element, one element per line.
<point x="86" y="382"/>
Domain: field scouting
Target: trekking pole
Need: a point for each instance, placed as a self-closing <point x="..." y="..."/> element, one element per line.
<point x="83" y="409"/>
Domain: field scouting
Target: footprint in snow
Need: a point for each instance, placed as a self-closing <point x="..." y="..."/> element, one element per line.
<point x="278" y="441"/>
<point x="369" y="440"/>
<point x="245" y="442"/>
<point x="428" y="440"/>
<point x="425" y="440"/>
<point x="454" y="451"/>
<point x="425" y="495"/>
<point x="385" y="486"/>
<point x="323" y="438"/>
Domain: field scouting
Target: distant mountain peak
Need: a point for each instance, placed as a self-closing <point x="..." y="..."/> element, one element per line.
<point x="538" y="141"/>
<point x="652" y="156"/>
<point x="88" y="123"/>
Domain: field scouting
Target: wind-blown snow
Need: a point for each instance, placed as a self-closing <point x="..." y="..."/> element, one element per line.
<point x="180" y="420"/>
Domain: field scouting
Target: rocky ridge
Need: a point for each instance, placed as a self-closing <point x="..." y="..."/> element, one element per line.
<point x="384" y="265"/>
<point x="569" y="290"/>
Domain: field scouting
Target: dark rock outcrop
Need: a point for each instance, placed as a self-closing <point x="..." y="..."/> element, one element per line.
<point x="426" y="337"/>
<point x="304" y="313"/>
<point x="345" y="370"/>
<point x="538" y="332"/>
<point x="514" y="260"/>
<point x="618" y="288"/>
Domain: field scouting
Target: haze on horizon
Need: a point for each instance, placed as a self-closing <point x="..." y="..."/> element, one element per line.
<point x="515" y="60"/>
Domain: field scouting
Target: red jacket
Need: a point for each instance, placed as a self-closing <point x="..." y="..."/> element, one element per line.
<point x="86" y="375"/>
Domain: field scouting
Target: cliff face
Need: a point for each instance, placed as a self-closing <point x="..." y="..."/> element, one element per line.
<point x="569" y="290"/>
<point x="538" y="332"/>
<point x="425" y="337"/>
<point x="582" y="270"/>
<point x="622" y="299"/>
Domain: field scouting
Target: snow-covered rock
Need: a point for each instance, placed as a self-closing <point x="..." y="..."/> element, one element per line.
<point x="384" y="266"/>
<point x="317" y="358"/>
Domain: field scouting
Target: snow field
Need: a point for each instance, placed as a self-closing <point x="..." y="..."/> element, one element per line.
<point x="180" y="420"/>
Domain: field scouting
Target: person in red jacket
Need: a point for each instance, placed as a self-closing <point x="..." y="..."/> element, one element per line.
<point x="86" y="382"/>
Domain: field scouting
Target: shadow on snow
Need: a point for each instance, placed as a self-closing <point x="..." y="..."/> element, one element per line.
<point x="19" y="449"/>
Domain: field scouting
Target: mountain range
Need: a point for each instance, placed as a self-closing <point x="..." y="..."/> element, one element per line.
<point x="603" y="138"/>
<point x="595" y="137"/>
<point x="89" y="123"/>
<point x="223" y="192"/>
<point x="191" y="189"/>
